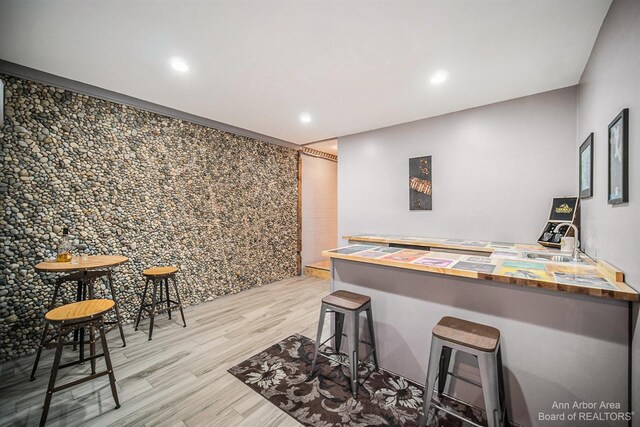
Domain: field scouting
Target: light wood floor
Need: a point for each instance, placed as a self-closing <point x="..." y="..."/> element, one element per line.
<point x="180" y="377"/>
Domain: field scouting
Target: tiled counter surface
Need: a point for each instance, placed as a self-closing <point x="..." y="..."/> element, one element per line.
<point x="505" y="263"/>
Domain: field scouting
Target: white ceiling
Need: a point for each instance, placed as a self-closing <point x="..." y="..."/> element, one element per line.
<point x="352" y="65"/>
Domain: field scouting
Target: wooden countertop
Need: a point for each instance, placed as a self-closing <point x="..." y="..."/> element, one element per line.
<point x="443" y="243"/>
<point x="92" y="262"/>
<point x="504" y="263"/>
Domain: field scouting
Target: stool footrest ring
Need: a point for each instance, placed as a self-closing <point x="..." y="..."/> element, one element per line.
<point x="325" y="341"/>
<point x="448" y="396"/>
<point x="78" y="362"/>
<point x="164" y="301"/>
<point x="362" y="362"/>
<point x="161" y="310"/>
<point x="467" y="380"/>
<point x="345" y="335"/>
<point x="369" y="354"/>
<point x="80" y="381"/>
<point x="453" y="414"/>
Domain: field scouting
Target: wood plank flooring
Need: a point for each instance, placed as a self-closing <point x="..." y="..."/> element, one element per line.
<point x="180" y="377"/>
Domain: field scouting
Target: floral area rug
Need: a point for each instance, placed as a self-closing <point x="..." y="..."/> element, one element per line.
<point x="281" y="375"/>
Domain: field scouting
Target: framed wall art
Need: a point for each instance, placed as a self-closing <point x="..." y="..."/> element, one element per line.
<point x="619" y="159"/>
<point x="420" y="183"/>
<point x="586" y="168"/>
<point x="1" y="103"/>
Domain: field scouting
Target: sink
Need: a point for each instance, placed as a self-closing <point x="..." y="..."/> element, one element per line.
<point x="551" y="257"/>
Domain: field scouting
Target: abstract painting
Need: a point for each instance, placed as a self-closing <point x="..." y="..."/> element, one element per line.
<point x="504" y="254"/>
<point x="482" y="259"/>
<point x="592" y="281"/>
<point x="433" y="262"/>
<point x="476" y="243"/>
<point x="474" y="266"/>
<point x="420" y="183"/>
<point x="348" y="250"/>
<point x="586" y="168"/>
<point x="378" y="252"/>
<point x="618" y="158"/>
<point x="405" y="255"/>
<point x="524" y="270"/>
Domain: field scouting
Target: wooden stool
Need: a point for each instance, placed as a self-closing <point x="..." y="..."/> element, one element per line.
<point x="479" y="340"/>
<point x="85" y="290"/>
<point x="347" y="303"/>
<point x="67" y="318"/>
<point x="159" y="276"/>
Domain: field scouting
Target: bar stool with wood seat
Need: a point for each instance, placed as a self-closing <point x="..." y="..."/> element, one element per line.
<point x="86" y="290"/>
<point x="86" y="281"/>
<point x="350" y="304"/>
<point x="479" y="340"/>
<point x="67" y="318"/>
<point x="159" y="277"/>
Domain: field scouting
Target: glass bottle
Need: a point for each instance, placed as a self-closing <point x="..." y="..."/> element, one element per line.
<point x="65" y="246"/>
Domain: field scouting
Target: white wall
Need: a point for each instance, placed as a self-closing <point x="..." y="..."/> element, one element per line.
<point x="319" y="207"/>
<point x="495" y="170"/>
<point x="611" y="82"/>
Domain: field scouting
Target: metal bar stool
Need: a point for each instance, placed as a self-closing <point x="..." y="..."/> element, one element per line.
<point x="159" y="277"/>
<point x="85" y="290"/>
<point x="479" y="340"/>
<point x="67" y="318"/>
<point x="350" y="304"/>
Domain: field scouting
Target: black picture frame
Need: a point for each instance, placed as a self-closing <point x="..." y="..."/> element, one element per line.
<point x="420" y="184"/>
<point x="618" y="159"/>
<point x="585" y="179"/>
<point x="1" y="103"/>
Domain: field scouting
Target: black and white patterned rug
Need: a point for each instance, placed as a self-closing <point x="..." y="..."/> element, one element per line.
<point x="281" y="375"/>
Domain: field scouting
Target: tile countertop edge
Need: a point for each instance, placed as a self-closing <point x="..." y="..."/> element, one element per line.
<point x="628" y="294"/>
<point x="426" y="241"/>
<point x="446" y="243"/>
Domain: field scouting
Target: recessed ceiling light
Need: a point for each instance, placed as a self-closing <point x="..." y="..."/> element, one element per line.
<point x="305" y="118"/>
<point x="439" y="77"/>
<point x="179" y="65"/>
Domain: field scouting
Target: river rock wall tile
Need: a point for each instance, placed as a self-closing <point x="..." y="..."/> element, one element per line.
<point x="158" y="190"/>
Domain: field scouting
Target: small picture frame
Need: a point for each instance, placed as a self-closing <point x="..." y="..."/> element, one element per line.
<point x="618" y="135"/>
<point x="420" y="184"/>
<point x="586" y="168"/>
<point x="1" y="103"/>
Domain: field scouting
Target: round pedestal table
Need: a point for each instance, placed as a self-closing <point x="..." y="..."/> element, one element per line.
<point x="84" y="272"/>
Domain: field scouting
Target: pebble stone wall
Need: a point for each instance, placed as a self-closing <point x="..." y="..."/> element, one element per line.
<point x="158" y="190"/>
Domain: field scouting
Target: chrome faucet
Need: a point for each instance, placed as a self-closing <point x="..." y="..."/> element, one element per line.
<point x="576" y="245"/>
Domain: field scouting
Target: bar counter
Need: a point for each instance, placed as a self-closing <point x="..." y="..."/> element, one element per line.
<point x="565" y="327"/>
<point x="506" y="263"/>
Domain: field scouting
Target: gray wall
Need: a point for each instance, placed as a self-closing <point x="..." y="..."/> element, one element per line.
<point x="611" y="82"/>
<point x="495" y="170"/>
<point x="319" y="207"/>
